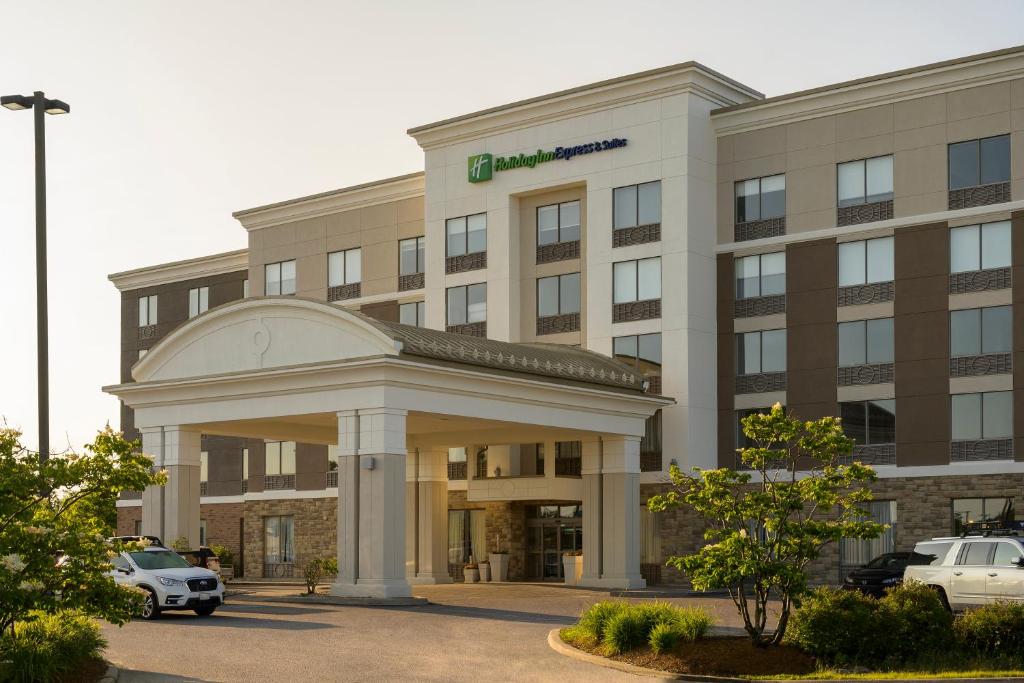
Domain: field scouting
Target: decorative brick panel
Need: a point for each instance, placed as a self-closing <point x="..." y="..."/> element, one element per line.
<point x="980" y="280"/>
<point x="761" y="383"/>
<point x="407" y="282"/>
<point x="472" y="329"/>
<point x="465" y="262"/>
<point x="568" y="467"/>
<point x="279" y="482"/>
<point x="757" y="230"/>
<point x="342" y="292"/>
<point x="984" y="449"/>
<point x="641" y="234"/>
<point x="864" y="213"/>
<point x="874" y="293"/>
<point x="988" y="364"/>
<point x="131" y="495"/>
<point x="245" y="486"/>
<point x="332" y="479"/>
<point x="874" y="454"/>
<point x="203" y="488"/>
<point x="559" y="251"/>
<point x="979" y="195"/>
<point x="457" y="470"/>
<point x="554" y="324"/>
<point x="636" y="310"/>
<point x="651" y="573"/>
<point x="872" y="373"/>
<point x="650" y="462"/>
<point x="655" y="385"/>
<point x="759" y="305"/>
<point x="147" y="332"/>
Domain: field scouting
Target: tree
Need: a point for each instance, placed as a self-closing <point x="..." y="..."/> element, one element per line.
<point x="766" y="525"/>
<point x="55" y="517"/>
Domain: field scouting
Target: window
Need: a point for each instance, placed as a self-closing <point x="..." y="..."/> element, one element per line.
<point x="280" y="458"/>
<point x="412" y="313"/>
<point x="410" y="255"/>
<point x="977" y="331"/>
<point x="761" y="275"/>
<point x="967" y="510"/>
<point x="245" y="288"/>
<point x="636" y="280"/>
<point x="467" y="304"/>
<point x="864" y="181"/>
<point x="467" y="536"/>
<point x="202" y="533"/>
<point x="855" y="552"/>
<point x="635" y="205"/>
<point x="863" y="342"/>
<point x="866" y="261"/>
<point x="979" y="162"/>
<point x="198" y="301"/>
<point x="761" y="198"/>
<point x="138" y="532"/>
<point x="869" y="423"/>
<point x="986" y="415"/>
<point x="1007" y="555"/>
<point x="650" y="537"/>
<point x="742" y="440"/>
<point x="278" y="540"/>
<point x="147" y="310"/>
<point x="641" y="351"/>
<point x="558" y="295"/>
<point x="245" y="464"/>
<point x="976" y="554"/>
<point x="558" y="223"/>
<point x="568" y="458"/>
<point x="979" y="247"/>
<point x="344" y="267"/>
<point x="466" y="235"/>
<point x="758" y="352"/>
<point x="279" y="278"/>
<point x="204" y="466"/>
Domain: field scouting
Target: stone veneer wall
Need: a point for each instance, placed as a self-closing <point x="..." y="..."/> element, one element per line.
<point x="316" y="530"/>
<point x="508" y="520"/>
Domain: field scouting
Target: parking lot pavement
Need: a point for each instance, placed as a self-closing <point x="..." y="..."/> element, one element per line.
<point x="467" y="632"/>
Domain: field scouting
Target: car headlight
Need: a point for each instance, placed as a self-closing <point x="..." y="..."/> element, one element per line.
<point x="890" y="581"/>
<point x="171" y="582"/>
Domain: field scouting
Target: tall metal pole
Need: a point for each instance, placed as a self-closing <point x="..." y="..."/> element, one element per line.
<point x="42" y="326"/>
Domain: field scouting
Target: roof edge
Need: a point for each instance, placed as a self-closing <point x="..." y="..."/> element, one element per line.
<point x="176" y="271"/>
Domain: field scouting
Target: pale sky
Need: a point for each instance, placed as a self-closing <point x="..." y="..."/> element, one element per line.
<point x="184" y="111"/>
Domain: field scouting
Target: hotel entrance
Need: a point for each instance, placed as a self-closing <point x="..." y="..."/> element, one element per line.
<point x="550" y="531"/>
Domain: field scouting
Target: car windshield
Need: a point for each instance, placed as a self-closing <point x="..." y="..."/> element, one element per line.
<point x="159" y="559"/>
<point x="888" y="562"/>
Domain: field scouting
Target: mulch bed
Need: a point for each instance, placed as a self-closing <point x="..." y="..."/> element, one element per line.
<point x="89" y="672"/>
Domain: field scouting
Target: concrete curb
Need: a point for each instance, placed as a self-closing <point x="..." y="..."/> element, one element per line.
<point x="111" y="675"/>
<point x="333" y="600"/>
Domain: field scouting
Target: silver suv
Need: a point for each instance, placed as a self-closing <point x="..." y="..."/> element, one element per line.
<point x="971" y="571"/>
<point x="170" y="582"/>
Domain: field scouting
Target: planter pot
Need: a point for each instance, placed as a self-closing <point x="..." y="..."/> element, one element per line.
<point x="573" y="569"/>
<point x="485" y="572"/>
<point x="227" y="573"/>
<point x="499" y="567"/>
<point x="472" y="575"/>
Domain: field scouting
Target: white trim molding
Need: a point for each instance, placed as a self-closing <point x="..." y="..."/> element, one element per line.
<point x="177" y="271"/>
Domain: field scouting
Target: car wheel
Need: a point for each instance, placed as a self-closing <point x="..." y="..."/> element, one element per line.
<point x="205" y="611"/>
<point x="150" y="608"/>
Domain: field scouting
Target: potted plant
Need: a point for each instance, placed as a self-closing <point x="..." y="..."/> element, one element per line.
<point x="485" y="571"/>
<point x="572" y="565"/>
<point x="227" y="562"/>
<point x="471" y="572"/>
<point x="499" y="561"/>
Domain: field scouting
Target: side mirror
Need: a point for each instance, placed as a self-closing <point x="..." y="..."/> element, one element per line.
<point x="125" y="570"/>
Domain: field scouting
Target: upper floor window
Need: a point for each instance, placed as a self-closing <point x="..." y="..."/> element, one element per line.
<point x="979" y="162"/>
<point x="279" y="278"/>
<point x="758" y="352"/>
<point x="761" y="198"/>
<point x="558" y="295"/>
<point x="978" y="331"/>
<point x="979" y="247"/>
<point x="641" y="351"/>
<point x="635" y="205"/>
<point x="558" y="223"/>
<point x="245" y="464"/>
<point x="869" y="422"/>
<point x="636" y="280"/>
<point x="198" y="301"/>
<point x="147" y="310"/>
<point x="864" y="181"/>
<point x="280" y="458"/>
<point x="987" y="415"/>
<point x="412" y="313"/>
<point x="866" y="261"/>
<point x="204" y="466"/>
<point x="467" y="234"/>
<point x="864" y="342"/>
<point x="761" y="275"/>
<point x="410" y="255"/>
<point x="467" y="304"/>
<point x="344" y="267"/>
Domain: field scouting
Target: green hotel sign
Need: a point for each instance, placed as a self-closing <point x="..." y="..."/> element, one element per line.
<point x="482" y="167"/>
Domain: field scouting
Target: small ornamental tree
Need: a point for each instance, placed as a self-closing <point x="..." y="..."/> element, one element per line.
<point x="54" y="522"/>
<point x="765" y="526"/>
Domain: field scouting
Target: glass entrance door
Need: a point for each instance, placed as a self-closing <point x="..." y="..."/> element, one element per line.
<point x="550" y="531"/>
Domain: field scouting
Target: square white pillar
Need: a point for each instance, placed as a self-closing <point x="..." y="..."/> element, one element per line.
<point x="348" y="502"/>
<point x="427" y="516"/>
<point x="620" y="498"/>
<point x="592" y="511"/>
<point x="172" y="511"/>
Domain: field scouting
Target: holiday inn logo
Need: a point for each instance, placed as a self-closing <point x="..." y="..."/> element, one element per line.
<point x="481" y="166"/>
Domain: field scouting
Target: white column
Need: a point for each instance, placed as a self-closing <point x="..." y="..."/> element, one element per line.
<point x="153" y="496"/>
<point x="172" y="511"/>
<point x="593" y="511"/>
<point x="428" y="517"/>
<point x="620" y="537"/>
<point x="348" y="504"/>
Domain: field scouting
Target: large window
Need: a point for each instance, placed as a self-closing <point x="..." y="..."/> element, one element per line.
<point x="977" y="331"/>
<point x="558" y="295"/>
<point x="198" y="301"/>
<point x="635" y="205"/>
<point x="412" y="313"/>
<point x="761" y="275"/>
<point x="761" y="198"/>
<point x="467" y="536"/>
<point x="986" y="415"/>
<point x="410" y="255"/>
<point x="979" y="247"/>
<point x="279" y="278"/>
<point x="278" y="542"/>
<point x="855" y="552"/>
<point x="147" y="310"/>
<point x="863" y="342"/>
<point x="866" y="261"/>
<point x="636" y="280"/>
<point x="558" y="223"/>
<point x="979" y="162"/>
<point x="864" y="181"/>
<point x="280" y="458"/>
<point x="742" y="440"/>
<point x="467" y="304"/>
<point x="758" y="352"/>
<point x="344" y="267"/>
<point x="869" y="423"/>
<point x="467" y="234"/>
<point x="641" y="351"/>
<point x="967" y="510"/>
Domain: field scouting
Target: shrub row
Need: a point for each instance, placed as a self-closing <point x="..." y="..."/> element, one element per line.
<point x="618" y="627"/>
<point x="49" y="646"/>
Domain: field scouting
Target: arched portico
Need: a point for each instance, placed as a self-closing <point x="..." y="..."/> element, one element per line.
<point x="393" y="398"/>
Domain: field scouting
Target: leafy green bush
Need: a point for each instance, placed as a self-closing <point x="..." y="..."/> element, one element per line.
<point x="837" y="626"/>
<point x="48" y="646"/>
<point x="621" y="627"/>
<point x="316" y="570"/>
<point x="226" y="557"/>
<point x="625" y="631"/>
<point x="915" y="621"/>
<point x="594" y="618"/>
<point x="996" y="628"/>
<point x="664" y="638"/>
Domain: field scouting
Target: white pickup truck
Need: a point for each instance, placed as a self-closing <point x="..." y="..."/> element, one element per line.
<point x="971" y="571"/>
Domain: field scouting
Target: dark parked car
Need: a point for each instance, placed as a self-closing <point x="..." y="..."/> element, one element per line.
<point x="885" y="571"/>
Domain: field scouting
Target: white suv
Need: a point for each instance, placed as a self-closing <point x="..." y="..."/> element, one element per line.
<point x="971" y="571"/>
<point x="170" y="582"/>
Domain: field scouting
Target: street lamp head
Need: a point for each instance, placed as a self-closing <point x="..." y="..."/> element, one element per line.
<point x="16" y="102"/>
<point x="57" y="107"/>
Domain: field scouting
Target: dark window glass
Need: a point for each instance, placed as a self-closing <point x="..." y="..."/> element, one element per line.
<point x="976" y="554"/>
<point x="930" y="553"/>
<point x="761" y="198"/>
<point x="995" y="159"/>
<point x="869" y="422"/>
<point x="855" y="421"/>
<point x="976" y="331"/>
<point x="979" y="162"/>
<point x="635" y="205"/>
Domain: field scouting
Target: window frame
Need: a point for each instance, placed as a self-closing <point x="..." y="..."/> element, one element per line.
<point x="421" y="250"/>
<point x="342" y="256"/>
<point x="760" y="198"/>
<point x="884" y="197"/>
<point x="980" y="164"/>
<point x="981" y="231"/>
<point x="636" y="280"/>
<point x="559" y="227"/>
<point x="558" y="294"/>
<point x="867" y="260"/>
<point x="152" y="309"/>
<point x="636" y="202"/>
<point x="280" y="278"/>
<point x="465" y="297"/>
<point x="867" y="337"/>
<point x="280" y="458"/>
<point x="866" y="405"/>
<point x="465" y="234"/>
<point x="981" y="415"/>
<point x="201" y="301"/>
<point x="760" y="275"/>
<point x="979" y="328"/>
<point x="741" y="336"/>
<point x="984" y="512"/>
<point x="420" y="312"/>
